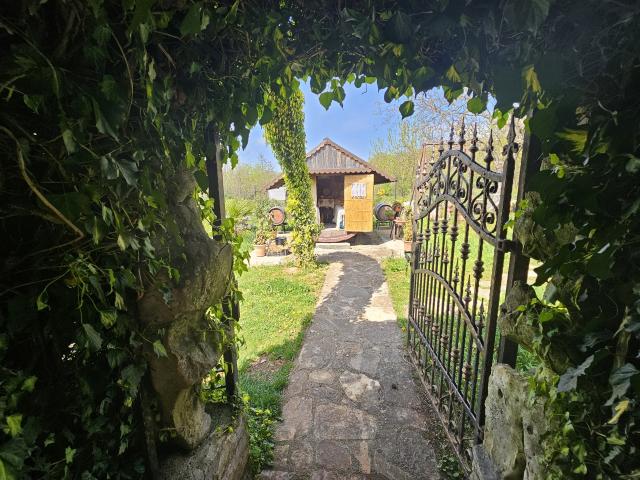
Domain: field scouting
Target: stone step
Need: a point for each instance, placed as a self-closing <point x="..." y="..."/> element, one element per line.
<point x="333" y="246"/>
<point x="274" y="475"/>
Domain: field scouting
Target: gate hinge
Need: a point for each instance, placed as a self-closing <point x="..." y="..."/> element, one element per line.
<point x="507" y="246"/>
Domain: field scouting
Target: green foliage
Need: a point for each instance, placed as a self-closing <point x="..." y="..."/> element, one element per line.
<point x="104" y="106"/>
<point x="261" y="424"/>
<point x="248" y="181"/>
<point x="450" y="468"/>
<point x="286" y="135"/>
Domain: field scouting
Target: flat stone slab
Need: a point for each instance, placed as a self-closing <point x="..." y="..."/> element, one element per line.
<point x="352" y="409"/>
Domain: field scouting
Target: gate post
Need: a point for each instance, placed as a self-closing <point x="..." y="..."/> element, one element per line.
<point x="518" y="270"/>
<point x="230" y="305"/>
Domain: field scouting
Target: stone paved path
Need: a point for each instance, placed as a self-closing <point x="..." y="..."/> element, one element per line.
<point x="352" y="409"/>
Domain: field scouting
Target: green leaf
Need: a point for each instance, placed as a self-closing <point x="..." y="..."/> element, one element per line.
<point x="97" y="231"/>
<point x="531" y="79"/>
<point x="122" y="242"/>
<point x="132" y="375"/>
<point x="4" y="473"/>
<point x="14" y="424"/>
<point x="29" y="384"/>
<point x="33" y="102"/>
<point x="108" y="317"/>
<point x="109" y="87"/>
<point x="202" y="180"/>
<point x="94" y="337"/>
<point x="159" y="349"/>
<point x="192" y="21"/>
<point x="476" y="105"/>
<point x="633" y="164"/>
<point x="102" y="123"/>
<point x="619" y="409"/>
<point x="406" y="109"/>
<point x="402" y="26"/>
<point x="69" y="453"/>
<point x="453" y="75"/>
<point x="267" y="115"/>
<point x="620" y="381"/>
<point x="129" y="170"/>
<point x="41" y="301"/>
<point x="69" y="141"/>
<point x="576" y="137"/>
<point x="569" y="380"/>
<point x="325" y="99"/>
<point x="390" y="94"/>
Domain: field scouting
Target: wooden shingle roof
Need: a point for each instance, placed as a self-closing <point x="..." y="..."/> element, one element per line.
<point x="329" y="158"/>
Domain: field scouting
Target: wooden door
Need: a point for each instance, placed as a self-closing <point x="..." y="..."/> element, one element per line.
<point x="358" y="203"/>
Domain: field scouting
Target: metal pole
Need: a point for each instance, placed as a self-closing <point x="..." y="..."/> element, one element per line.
<point x="230" y="306"/>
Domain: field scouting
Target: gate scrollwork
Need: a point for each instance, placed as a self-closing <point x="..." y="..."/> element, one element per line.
<point x="460" y="210"/>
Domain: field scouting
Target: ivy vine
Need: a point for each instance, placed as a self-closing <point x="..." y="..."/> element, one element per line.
<point x="285" y="133"/>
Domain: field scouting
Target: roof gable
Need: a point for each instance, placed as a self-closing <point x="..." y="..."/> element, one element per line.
<point x="330" y="158"/>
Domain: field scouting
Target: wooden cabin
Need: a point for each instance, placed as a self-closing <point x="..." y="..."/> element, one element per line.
<point x="342" y="186"/>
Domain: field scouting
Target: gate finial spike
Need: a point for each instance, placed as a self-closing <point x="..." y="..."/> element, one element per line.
<point x="462" y="141"/>
<point x="489" y="158"/>
<point x="451" y="134"/>
<point x="474" y="139"/>
<point x="441" y="146"/>
<point x="433" y="157"/>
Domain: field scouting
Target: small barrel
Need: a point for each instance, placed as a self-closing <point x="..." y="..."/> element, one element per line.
<point x="383" y="212"/>
<point x="277" y="216"/>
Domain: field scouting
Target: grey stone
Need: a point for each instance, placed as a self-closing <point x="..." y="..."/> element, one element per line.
<point x="334" y="454"/>
<point x="503" y="432"/>
<point x="297" y="417"/>
<point x="536" y="424"/>
<point x="222" y="455"/>
<point x="483" y="467"/>
<point x="342" y="422"/>
<point x="359" y="387"/>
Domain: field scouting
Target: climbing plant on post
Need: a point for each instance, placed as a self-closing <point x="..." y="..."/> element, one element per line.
<point x="285" y="133"/>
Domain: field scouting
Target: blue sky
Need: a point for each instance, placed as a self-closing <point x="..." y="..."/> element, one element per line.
<point x="363" y="119"/>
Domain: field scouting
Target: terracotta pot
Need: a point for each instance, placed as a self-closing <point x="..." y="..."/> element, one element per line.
<point x="261" y="250"/>
<point x="407" y="246"/>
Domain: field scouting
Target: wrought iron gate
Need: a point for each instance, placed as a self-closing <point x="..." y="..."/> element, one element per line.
<point x="460" y="210"/>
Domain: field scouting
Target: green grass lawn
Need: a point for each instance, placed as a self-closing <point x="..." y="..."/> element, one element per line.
<point x="397" y="271"/>
<point x="278" y="305"/>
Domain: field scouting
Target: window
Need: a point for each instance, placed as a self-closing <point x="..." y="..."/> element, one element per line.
<point x="358" y="190"/>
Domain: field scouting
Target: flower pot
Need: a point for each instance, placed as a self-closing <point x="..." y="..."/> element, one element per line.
<point x="261" y="250"/>
<point x="407" y="245"/>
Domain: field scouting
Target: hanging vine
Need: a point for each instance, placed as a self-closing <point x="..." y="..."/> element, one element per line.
<point x="285" y="133"/>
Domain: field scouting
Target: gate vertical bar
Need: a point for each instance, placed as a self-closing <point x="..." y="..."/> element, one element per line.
<point x="498" y="263"/>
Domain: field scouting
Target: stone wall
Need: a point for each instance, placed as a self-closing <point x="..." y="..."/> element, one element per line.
<point x="515" y="424"/>
<point x="222" y="455"/>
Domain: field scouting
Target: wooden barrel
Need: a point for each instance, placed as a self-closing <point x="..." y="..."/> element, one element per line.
<point x="383" y="212"/>
<point x="277" y="216"/>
